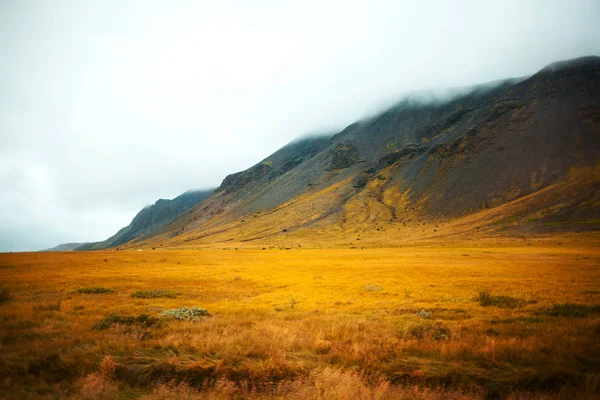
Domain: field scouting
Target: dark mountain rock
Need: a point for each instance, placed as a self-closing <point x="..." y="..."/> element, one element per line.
<point x="150" y="218"/>
<point x="239" y="180"/>
<point x="444" y="159"/>
<point x="405" y="155"/>
<point x="343" y="156"/>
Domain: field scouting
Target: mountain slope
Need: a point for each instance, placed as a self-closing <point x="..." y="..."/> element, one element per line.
<point x="150" y="218"/>
<point x="66" y="247"/>
<point x="429" y="162"/>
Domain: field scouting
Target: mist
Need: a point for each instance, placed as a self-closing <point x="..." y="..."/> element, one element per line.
<point x="108" y="106"/>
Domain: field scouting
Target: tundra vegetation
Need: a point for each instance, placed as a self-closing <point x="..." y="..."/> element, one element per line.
<point x="515" y="319"/>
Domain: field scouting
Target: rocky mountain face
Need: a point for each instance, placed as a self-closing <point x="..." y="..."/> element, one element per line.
<point x="149" y="219"/>
<point x="434" y="161"/>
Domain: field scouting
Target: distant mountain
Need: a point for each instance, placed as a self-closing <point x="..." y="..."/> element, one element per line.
<point x="529" y="148"/>
<point x="67" y="246"/>
<point x="149" y="219"/>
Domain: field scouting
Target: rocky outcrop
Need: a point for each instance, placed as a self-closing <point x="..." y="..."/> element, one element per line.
<point x="343" y="156"/>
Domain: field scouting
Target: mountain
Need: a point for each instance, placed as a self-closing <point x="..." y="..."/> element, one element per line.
<point x="148" y="219"/>
<point x="66" y="247"/>
<point x="518" y="154"/>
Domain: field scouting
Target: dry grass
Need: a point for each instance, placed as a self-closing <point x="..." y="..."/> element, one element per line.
<point x="302" y="323"/>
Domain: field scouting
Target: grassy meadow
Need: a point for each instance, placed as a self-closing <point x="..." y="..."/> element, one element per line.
<point x="483" y="319"/>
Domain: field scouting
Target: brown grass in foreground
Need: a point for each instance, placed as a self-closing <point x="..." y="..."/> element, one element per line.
<point x="508" y="319"/>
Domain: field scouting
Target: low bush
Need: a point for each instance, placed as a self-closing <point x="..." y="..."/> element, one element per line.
<point x="439" y="332"/>
<point x="154" y="294"/>
<point x="187" y="314"/>
<point x="47" y="307"/>
<point x="486" y="299"/>
<point x="5" y="296"/>
<point x="420" y="329"/>
<point x="570" y="310"/>
<point x="142" y="320"/>
<point x="373" y="288"/>
<point x="95" y="290"/>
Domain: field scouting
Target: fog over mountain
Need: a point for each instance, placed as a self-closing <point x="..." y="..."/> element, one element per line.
<point x="108" y="106"/>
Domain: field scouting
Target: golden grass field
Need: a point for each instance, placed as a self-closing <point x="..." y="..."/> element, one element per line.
<point x="380" y="323"/>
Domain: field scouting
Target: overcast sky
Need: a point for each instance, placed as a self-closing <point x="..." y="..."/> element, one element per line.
<point x="106" y="106"/>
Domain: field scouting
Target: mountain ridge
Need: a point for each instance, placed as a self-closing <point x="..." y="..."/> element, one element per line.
<point x="430" y="162"/>
<point x="146" y="220"/>
<point x="67" y="246"/>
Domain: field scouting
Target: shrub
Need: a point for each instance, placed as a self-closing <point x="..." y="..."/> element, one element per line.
<point x="187" y="314"/>
<point x="439" y="332"/>
<point x="5" y="296"/>
<point x="486" y="299"/>
<point x="416" y="331"/>
<point x="112" y="319"/>
<point x="154" y="294"/>
<point x="570" y="310"/>
<point x="47" y="307"/>
<point x="492" y="332"/>
<point x="373" y="288"/>
<point x="95" y="290"/>
<point x="420" y="329"/>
